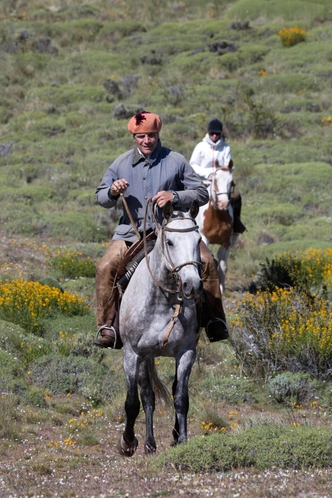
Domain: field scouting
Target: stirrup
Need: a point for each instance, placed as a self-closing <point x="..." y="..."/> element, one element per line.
<point x="105" y="327"/>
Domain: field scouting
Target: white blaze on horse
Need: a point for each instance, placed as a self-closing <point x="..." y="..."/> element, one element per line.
<point x="158" y="318"/>
<point x="215" y="219"/>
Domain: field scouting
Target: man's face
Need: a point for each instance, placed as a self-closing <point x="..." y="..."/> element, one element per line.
<point x="146" y="142"/>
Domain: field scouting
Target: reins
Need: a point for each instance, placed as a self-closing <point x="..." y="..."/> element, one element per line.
<point x="125" y="205"/>
<point x="173" y="268"/>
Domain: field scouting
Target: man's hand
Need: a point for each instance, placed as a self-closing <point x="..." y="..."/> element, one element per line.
<point x="162" y="197"/>
<point x="119" y="186"/>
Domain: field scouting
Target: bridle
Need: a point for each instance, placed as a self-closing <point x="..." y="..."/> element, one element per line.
<point x="164" y="227"/>
<point x="214" y="192"/>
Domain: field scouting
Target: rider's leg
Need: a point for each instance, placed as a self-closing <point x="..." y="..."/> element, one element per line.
<point x="105" y="292"/>
<point x="213" y="316"/>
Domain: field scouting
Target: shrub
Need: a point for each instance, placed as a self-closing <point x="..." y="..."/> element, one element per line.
<point x="21" y="348"/>
<point x="34" y="398"/>
<point x="70" y="375"/>
<point x="261" y="446"/>
<point x="247" y="114"/>
<point x="9" y="427"/>
<point x="231" y="389"/>
<point x="80" y="226"/>
<point x="290" y="388"/>
<point x="71" y="264"/>
<point x="25" y="303"/>
<point x="292" y="36"/>
<point x="284" y="330"/>
<point x="309" y="271"/>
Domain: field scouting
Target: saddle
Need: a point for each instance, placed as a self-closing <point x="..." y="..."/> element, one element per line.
<point x="127" y="267"/>
<point x="131" y="260"/>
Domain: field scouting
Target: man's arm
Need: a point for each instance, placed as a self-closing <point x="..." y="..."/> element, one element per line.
<point x="192" y="188"/>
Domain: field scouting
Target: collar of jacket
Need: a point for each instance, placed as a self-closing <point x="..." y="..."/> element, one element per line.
<point x="137" y="156"/>
<point x="211" y="143"/>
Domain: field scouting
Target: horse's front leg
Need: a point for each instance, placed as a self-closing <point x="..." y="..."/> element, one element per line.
<point x="181" y="396"/>
<point x="128" y="442"/>
<point x="148" y="401"/>
<point x="222" y="257"/>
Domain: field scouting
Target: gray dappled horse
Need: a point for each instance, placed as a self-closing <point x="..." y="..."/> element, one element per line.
<point x="215" y="219"/>
<point x="158" y="318"/>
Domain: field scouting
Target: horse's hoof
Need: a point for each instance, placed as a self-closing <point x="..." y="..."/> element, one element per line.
<point x="149" y="448"/>
<point x="176" y="442"/>
<point x="126" y="448"/>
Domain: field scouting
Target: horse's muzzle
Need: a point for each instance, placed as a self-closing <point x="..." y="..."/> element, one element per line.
<point x="191" y="291"/>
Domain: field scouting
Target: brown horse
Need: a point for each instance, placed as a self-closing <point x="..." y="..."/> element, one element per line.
<point x="215" y="219"/>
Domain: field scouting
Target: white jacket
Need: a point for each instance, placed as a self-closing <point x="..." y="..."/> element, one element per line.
<point x="206" y="153"/>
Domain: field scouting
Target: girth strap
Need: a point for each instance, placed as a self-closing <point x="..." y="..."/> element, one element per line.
<point x="176" y="313"/>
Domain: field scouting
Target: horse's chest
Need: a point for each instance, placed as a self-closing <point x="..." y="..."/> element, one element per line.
<point x="217" y="226"/>
<point x="164" y="337"/>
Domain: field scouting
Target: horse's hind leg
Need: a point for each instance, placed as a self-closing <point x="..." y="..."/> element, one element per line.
<point x="128" y="442"/>
<point x="181" y="396"/>
<point x="148" y="401"/>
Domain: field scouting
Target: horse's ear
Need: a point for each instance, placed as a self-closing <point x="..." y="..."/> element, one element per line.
<point x="194" y="209"/>
<point x="168" y="210"/>
<point x="230" y="165"/>
<point x="216" y="164"/>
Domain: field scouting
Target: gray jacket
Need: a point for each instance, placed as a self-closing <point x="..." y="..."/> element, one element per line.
<point x="164" y="170"/>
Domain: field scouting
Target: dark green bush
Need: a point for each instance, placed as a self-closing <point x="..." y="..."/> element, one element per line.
<point x="261" y="446"/>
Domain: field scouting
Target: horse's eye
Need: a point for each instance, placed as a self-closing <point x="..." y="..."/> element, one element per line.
<point x="169" y="243"/>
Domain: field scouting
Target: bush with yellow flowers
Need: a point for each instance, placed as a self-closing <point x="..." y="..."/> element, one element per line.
<point x="26" y="303"/>
<point x="72" y="264"/>
<point x="291" y="36"/>
<point x="310" y="271"/>
<point x="284" y="330"/>
<point x="287" y="324"/>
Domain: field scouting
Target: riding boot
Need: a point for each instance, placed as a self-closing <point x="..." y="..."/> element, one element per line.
<point x="106" y="296"/>
<point x="212" y="312"/>
<point x="236" y="202"/>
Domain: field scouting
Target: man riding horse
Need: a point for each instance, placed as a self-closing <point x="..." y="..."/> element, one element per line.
<point x="147" y="172"/>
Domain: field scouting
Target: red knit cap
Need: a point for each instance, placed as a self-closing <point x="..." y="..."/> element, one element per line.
<point x="144" y="122"/>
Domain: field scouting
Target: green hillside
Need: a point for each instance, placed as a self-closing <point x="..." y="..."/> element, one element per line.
<point x="71" y="75"/>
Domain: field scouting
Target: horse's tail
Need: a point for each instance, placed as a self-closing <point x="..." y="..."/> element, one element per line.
<point x="158" y="386"/>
